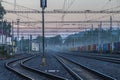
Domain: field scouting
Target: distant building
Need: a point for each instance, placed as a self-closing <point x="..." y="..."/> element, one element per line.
<point x="36" y="46"/>
<point x="4" y="40"/>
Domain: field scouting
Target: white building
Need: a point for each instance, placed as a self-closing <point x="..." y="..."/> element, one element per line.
<point x="35" y="46"/>
<point x="2" y="41"/>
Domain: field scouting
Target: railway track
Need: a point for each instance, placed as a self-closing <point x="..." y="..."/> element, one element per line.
<point x="104" y="55"/>
<point x="94" y="54"/>
<point x="100" y="57"/>
<point x="80" y="72"/>
<point x="103" y="58"/>
<point x="29" y="73"/>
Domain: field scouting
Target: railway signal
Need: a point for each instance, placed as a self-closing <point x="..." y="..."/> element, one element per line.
<point x="43" y="3"/>
<point x="43" y="6"/>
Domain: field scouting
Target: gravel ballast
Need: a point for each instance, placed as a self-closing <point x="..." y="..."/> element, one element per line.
<point x="107" y="68"/>
<point x="52" y="66"/>
<point x="5" y="74"/>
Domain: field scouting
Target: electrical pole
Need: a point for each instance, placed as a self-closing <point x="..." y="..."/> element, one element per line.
<point x="2" y="23"/>
<point x="22" y="38"/>
<point x="92" y="37"/>
<point x="110" y="22"/>
<point x="12" y="37"/>
<point x="28" y="44"/>
<point x="18" y="20"/>
<point x="14" y="4"/>
<point x="111" y="35"/>
<point x="2" y="30"/>
<point x="99" y="38"/>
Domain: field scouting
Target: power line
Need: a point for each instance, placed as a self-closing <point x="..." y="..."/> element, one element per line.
<point x="16" y="5"/>
<point x="106" y="4"/>
<point x="66" y="9"/>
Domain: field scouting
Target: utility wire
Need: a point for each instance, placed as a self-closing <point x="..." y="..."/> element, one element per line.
<point x="106" y="4"/>
<point x="102" y="9"/>
<point x="68" y="7"/>
<point x="19" y="5"/>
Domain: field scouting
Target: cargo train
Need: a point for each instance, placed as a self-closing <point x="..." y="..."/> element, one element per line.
<point x="98" y="48"/>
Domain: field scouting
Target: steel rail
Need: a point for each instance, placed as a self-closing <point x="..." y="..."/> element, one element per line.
<point x="92" y="71"/>
<point x="30" y="73"/>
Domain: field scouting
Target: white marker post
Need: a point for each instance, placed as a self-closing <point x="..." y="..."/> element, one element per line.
<point x="43" y="6"/>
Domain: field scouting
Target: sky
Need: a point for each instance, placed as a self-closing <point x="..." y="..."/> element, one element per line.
<point x="70" y="5"/>
<point x="58" y="4"/>
<point x="76" y="5"/>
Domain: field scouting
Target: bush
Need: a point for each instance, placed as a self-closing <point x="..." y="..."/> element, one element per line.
<point x="3" y="51"/>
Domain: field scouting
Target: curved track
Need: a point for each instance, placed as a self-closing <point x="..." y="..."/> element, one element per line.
<point x="81" y="72"/>
<point x="28" y="73"/>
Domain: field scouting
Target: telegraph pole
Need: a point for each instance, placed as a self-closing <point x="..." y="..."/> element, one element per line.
<point x="43" y="6"/>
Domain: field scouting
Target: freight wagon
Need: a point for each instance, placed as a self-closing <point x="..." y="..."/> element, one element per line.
<point x="101" y="48"/>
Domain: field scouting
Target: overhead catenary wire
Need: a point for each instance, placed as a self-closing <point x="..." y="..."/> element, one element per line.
<point x="19" y="5"/>
<point x="66" y="8"/>
<point x="102" y="9"/>
<point x="106" y="4"/>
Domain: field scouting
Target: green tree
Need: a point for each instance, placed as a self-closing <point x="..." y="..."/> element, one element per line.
<point x="57" y="40"/>
<point x="2" y="11"/>
<point x="8" y="29"/>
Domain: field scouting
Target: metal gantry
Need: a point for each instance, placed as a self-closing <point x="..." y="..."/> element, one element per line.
<point x="61" y="11"/>
<point x="90" y="21"/>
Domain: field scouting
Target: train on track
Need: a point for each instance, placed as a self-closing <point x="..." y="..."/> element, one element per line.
<point x="99" y="48"/>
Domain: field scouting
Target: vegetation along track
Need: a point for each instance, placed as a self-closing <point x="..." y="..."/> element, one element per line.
<point x="29" y="73"/>
<point x="80" y="72"/>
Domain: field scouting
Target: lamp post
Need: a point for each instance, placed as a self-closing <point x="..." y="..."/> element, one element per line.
<point x="43" y="6"/>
